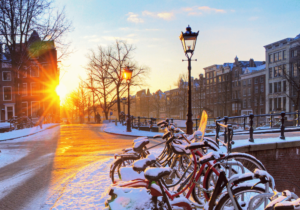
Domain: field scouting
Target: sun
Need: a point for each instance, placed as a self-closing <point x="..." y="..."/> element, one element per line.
<point x="61" y="90"/>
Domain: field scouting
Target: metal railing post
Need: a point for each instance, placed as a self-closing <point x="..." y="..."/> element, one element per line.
<point x="298" y="118"/>
<point x="139" y="122"/>
<point x="196" y="124"/>
<point x="132" y="121"/>
<point x="282" y="126"/>
<point x="271" y="121"/>
<point x="217" y="130"/>
<point x="244" y="123"/>
<point x="230" y="134"/>
<point x="225" y="131"/>
<point x="171" y="120"/>
<point x="251" y="116"/>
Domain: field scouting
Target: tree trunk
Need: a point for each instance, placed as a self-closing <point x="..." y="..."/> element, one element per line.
<point x="118" y="100"/>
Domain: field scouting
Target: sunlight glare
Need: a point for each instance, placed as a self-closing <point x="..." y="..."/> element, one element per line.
<point x="61" y="90"/>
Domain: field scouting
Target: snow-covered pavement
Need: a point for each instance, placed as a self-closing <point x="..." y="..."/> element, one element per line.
<point x="24" y="132"/>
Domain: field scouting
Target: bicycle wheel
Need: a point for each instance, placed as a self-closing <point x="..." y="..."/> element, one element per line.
<point x="120" y="162"/>
<point x="234" y="163"/>
<point x="243" y="196"/>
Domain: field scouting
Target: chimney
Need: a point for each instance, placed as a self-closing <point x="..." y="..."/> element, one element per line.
<point x="251" y="63"/>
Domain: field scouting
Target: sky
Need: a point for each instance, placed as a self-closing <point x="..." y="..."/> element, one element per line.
<point x="226" y="29"/>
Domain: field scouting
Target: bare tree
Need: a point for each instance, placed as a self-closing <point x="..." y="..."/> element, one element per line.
<point x="19" y="19"/>
<point x="121" y="55"/>
<point x="99" y="71"/>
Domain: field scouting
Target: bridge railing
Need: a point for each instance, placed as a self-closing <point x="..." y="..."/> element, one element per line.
<point x="251" y="117"/>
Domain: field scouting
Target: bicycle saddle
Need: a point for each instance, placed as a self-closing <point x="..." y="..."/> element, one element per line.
<point x="287" y="205"/>
<point x="141" y="165"/>
<point x="138" y="146"/>
<point x="154" y="174"/>
<point x="180" y="149"/>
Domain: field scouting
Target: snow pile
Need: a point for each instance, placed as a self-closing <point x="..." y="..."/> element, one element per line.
<point x="8" y="156"/>
<point x="24" y="132"/>
<point x="4" y="125"/>
<point x="121" y="129"/>
<point x="131" y="198"/>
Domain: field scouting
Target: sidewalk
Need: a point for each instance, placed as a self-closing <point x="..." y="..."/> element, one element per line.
<point x="15" y="134"/>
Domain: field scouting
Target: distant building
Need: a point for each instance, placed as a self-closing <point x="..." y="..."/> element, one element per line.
<point x="279" y="59"/>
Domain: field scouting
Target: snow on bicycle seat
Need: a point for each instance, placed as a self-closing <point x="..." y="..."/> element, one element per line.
<point x="180" y="149"/>
<point x="156" y="173"/>
<point x="202" y="144"/>
<point x="286" y="205"/>
<point x="151" y="157"/>
<point x="142" y="164"/>
<point x="140" y="139"/>
<point x="210" y="156"/>
<point x="138" y="146"/>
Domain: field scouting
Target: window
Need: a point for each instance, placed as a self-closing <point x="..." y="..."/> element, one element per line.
<point x="277" y="56"/>
<point x="244" y="92"/>
<point x="284" y="69"/>
<point x="7" y="93"/>
<point x="270" y="87"/>
<point x="294" y="53"/>
<point x="279" y="103"/>
<point x="219" y="78"/>
<point x="24" y="72"/>
<point x="249" y="81"/>
<point x="6" y="76"/>
<point x="279" y="87"/>
<point x="262" y="111"/>
<point x="255" y="102"/>
<point x="34" y="89"/>
<point x="284" y="54"/>
<point x="244" y="103"/>
<point x="261" y="79"/>
<point x="275" y="103"/>
<point x="294" y="70"/>
<point x="256" y="89"/>
<point x="34" y="71"/>
<point x="275" y="87"/>
<point x="249" y="92"/>
<point x="35" y="106"/>
<point x="276" y="71"/>
<point x="284" y="86"/>
<point x="270" y="58"/>
<point x="25" y="108"/>
<point x="270" y="72"/>
<point x="255" y="80"/>
<point x="249" y="102"/>
<point x="215" y="80"/>
<point x="270" y="104"/>
<point x="284" y="103"/>
<point x="261" y="100"/>
<point x="244" y="82"/>
<point x="24" y="89"/>
<point x="262" y="88"/>
<point x="280" y="71"/>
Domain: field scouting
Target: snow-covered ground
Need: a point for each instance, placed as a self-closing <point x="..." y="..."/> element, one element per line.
<point x="121" y="129"/>
<point x="4" y="125"/>
<point x="24" y="132"/>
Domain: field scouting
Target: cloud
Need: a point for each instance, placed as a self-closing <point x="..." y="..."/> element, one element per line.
<point x="196" y="10"/>
<point x="162" y="15"/>
<point x="209" y="9"/>
<point x="134" y="18"/>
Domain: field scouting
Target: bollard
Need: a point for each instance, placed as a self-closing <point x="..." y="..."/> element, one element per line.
<point x="225" y="131"/>
<point x="282" y="126"/>
<point x="230" y="135"/>
<point x="171" y="120"/>
<point x="251" y="116"/>
<point x="139" y="122"/>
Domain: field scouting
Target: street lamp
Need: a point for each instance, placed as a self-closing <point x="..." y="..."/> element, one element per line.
<point x="188" y="40"/>
<point x="126" y="74"/>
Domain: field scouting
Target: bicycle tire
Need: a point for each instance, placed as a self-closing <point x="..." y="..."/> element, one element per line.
<point x="248" y="161"/>
<point x="225" y="201"/>
<point x="115" y="167"/>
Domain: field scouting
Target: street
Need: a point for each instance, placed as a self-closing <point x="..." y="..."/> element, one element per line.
<point x="51" y="161"/>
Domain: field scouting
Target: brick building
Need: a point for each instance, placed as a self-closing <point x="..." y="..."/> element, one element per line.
<point x="36" y="82"/>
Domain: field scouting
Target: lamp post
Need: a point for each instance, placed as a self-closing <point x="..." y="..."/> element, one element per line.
<point x="127" y="76"/>
<point x="188" y="40"/>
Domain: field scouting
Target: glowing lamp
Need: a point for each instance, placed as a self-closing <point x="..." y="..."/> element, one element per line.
<point x="127" y="73"/>
<point x="188" y="40"/>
